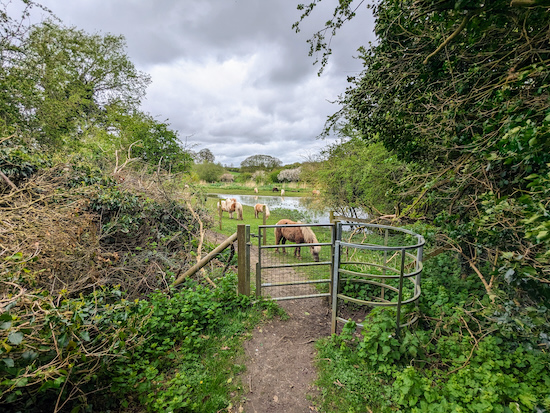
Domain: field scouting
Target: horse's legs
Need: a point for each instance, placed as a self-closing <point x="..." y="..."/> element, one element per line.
<point x="283" y="242"/>
<point x="298" y="251"/>
<point x="277" y="238"/>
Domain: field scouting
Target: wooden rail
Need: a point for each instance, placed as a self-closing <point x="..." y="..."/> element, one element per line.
<point x="206" y="259"/>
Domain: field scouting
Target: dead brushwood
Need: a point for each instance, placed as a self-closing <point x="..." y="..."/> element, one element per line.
<point x="50" y="238"/>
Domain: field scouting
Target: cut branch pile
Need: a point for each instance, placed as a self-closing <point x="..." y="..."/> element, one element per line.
<point x="51" y="237"/>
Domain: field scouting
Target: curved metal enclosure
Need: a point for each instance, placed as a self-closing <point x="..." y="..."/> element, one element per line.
<point x="385" y="261"/>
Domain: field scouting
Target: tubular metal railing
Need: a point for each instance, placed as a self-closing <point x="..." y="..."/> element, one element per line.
<point x="408" y="267"/>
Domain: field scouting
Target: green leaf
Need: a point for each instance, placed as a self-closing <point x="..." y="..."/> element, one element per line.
<point x="22" y="382"/>
<point x="29" y="356"/>
<point x="8" y="362"/>
<point x="15" y="337"/>
<point x="542" y="235"/>
<point x="6" y="325"/>
<point x="5" y="317"/>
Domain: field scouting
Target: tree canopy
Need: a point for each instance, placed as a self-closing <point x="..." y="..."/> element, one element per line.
<point x="256" y="162"/>
<point x="63" y="88"/>
<point x="460" y="89"/>
<point x="205" y="155"/>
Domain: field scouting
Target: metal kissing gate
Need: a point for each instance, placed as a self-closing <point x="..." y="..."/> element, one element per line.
<point x="381" y="258"/>
<point x="360" y="264"/>
<point x="285" y="277"/>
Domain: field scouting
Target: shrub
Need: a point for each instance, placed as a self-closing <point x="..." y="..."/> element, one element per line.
<point x="209" y="172"/>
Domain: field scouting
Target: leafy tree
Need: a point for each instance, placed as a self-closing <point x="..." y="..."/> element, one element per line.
<point x="258" y="176"/>
<point x="74" y="77"/>
<point x="154" y="142"/>
<point x="255" y="162"/>
<point x="209" y="172"/>
<point x="273" y="176"/>
<point x="371" y="187"/>
<point x="14" y="82"/>
<point x="205" y="155"/>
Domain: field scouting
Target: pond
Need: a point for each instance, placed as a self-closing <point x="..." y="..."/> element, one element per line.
<point x="311" y="208"/>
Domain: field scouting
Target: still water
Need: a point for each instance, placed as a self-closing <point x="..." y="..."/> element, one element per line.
<point x="314" y="212"/>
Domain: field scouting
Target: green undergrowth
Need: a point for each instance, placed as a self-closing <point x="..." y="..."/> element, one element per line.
<point x="193" y="352"/>
<point x="466" y="354"/>
<point x="178" y="350"/>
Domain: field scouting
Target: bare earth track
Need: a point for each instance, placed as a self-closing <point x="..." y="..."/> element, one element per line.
<point x="279" y="358"/>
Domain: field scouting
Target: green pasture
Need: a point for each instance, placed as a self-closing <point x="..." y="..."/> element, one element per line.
<point x="364" y="261"/>
<point x="291" y="189"/>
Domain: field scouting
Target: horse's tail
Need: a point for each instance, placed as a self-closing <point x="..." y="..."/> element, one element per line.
<point x="266" y="211"/>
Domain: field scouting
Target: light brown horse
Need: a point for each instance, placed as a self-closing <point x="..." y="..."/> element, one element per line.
<point x="230" y="206"/>
<point x="316" y="192"/>
<point x="299" y="235"/>
<point x="258" y="209"/>
<point x="239" y="211"/>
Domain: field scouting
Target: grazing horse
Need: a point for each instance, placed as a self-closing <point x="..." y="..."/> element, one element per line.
<point x="255" y="190"/>
<point x="239" y="211"/>
<point x="230" y="206"/>
<point x="316" y="192"/>
<point x="223" y="205"/>
<point x="258" y="209"/>
<point x="282" y="192"/>
<point x="275" y="189"/>
<point x="299" y="235"/>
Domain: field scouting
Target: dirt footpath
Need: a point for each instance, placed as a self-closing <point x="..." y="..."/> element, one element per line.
<point x="279" y="372"/>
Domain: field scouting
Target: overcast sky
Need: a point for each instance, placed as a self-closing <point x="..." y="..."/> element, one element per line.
<point x="231" y="75"/>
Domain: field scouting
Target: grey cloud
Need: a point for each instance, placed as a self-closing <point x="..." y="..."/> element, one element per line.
<point x="230" y="75"/>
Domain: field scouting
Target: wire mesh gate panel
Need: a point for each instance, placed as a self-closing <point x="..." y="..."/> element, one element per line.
<point x="290" y="271"/>
<point x="376" y="265"/>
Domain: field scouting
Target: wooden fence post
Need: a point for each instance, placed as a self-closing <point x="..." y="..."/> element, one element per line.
<point x="243" y="259"/>
<point x="264" y="208"/>
<point x="220" y="212"/>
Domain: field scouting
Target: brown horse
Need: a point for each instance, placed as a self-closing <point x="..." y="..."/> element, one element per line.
<point x="299" y="235"/>
<point x="258" y="209"/>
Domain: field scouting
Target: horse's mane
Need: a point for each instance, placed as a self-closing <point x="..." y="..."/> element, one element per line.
<point x="310" y="238"/>
<point x="309" y="235"/>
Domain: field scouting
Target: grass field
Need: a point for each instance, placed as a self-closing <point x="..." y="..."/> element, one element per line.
<point x="291" y="189"/>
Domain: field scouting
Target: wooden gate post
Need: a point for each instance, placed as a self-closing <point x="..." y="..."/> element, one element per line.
<point x="265" y="223"/>
<point x="243" y="259"/>
<point x="220" y="213"/>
